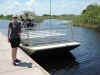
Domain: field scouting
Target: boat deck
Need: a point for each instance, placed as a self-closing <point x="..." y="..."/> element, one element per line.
<point x="34" y="41"/>
<point x="35" y="38"/>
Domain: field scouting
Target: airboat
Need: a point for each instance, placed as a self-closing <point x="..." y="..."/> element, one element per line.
<point x="45" y="41"/>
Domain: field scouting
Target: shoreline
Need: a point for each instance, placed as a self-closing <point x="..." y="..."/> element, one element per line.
<point x="89" y="26"/>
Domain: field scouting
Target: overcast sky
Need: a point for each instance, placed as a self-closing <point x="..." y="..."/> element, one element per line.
<point x="41" y="7"/>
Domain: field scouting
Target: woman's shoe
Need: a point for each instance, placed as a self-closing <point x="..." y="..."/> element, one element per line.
<point x="14" y="63"/>
<point x="17" y="61"/>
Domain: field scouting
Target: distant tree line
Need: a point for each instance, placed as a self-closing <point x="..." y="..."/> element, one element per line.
<point x="6" y="17"/>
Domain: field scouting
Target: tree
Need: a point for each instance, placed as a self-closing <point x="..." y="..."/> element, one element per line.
<point x="28" y="15"/>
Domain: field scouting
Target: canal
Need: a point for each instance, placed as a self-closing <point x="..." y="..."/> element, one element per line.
<point x="88" y="54"/>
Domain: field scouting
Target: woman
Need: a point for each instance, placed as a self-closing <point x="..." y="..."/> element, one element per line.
<point x="14" y="31"/>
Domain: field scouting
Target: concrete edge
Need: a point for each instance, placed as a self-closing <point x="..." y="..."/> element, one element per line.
<point x="33" y="62"/>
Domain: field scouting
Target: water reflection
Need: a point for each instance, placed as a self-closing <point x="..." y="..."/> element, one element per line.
<point x="57" y="62"/>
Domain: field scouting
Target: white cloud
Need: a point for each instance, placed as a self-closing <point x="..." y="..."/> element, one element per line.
<point x="15" y="7"/>
<point x="30" y="3"/>
<point x="71" y="6"/>
<point x="10" y="7"/>
<point x="95" y="1"/>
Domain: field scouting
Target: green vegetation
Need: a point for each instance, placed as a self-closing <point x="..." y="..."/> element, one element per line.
<point x="32" y="15"/>
<point x="59" y="17"/>
<point x="6" y="17"/>
<point x="90" y="17"/>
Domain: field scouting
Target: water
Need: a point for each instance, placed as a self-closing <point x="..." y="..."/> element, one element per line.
<point x="4" y="26"/>
<point x="88" y="54"/>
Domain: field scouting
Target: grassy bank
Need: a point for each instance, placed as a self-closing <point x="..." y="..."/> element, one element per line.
<point x="90" y="18"/>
